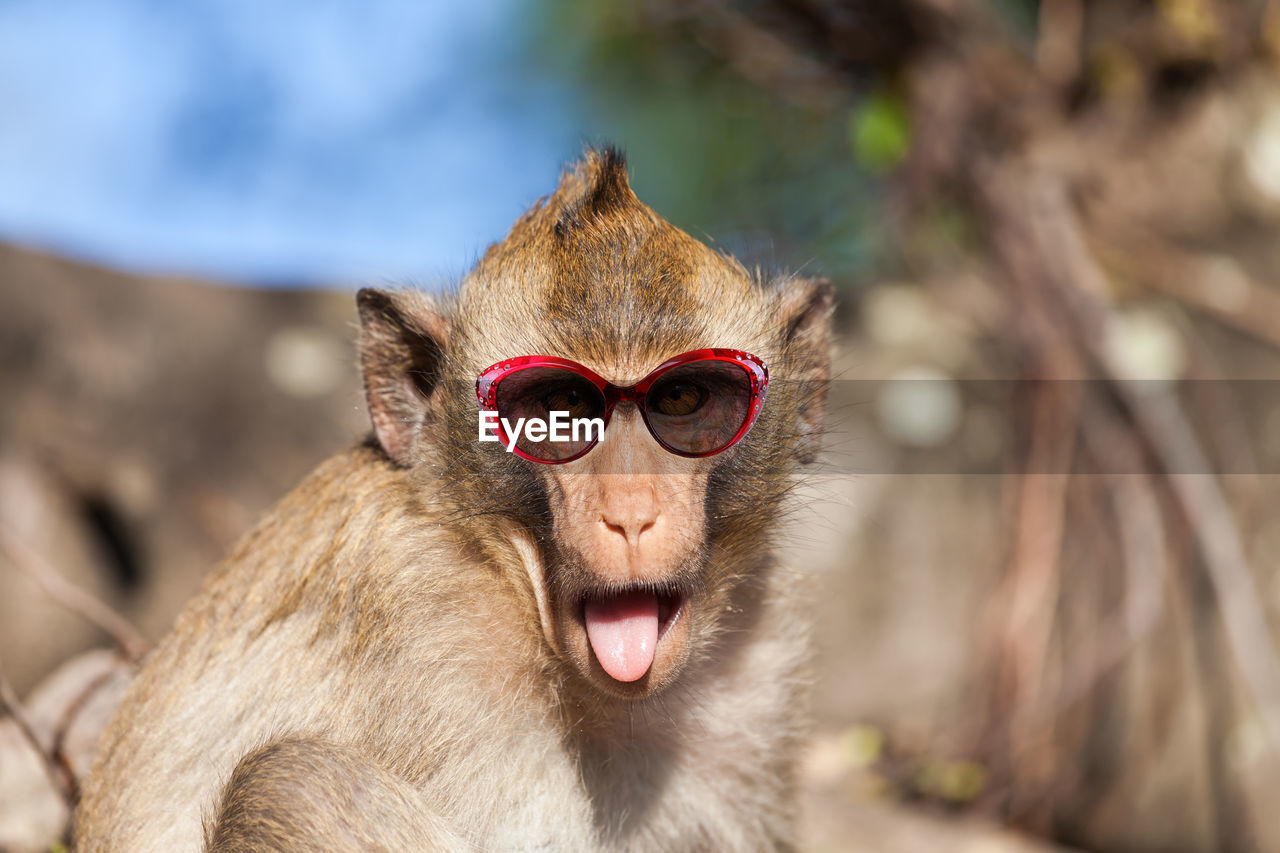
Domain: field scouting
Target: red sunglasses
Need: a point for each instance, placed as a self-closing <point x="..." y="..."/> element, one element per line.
<point x="696" y="404"/>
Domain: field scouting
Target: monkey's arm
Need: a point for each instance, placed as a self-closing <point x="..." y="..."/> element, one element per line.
<point x="308" y="795"/>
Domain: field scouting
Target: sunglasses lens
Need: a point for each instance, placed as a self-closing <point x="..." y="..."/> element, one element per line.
<point x="699" y="407"/>
<point x="537" y="392"/>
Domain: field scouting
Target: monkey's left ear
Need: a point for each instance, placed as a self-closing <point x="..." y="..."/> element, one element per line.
<point x="403" y="336"/>
<point x="804" y="307"/>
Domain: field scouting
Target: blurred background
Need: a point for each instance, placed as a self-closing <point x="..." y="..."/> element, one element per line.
<point x="1049" y="574"/>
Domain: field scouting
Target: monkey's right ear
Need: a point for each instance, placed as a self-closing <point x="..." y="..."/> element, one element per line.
<point x="805" y="306"/>
<point x="403" y="336"/>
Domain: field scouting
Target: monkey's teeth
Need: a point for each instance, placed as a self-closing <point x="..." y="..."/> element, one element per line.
<point x="623" y="633"/>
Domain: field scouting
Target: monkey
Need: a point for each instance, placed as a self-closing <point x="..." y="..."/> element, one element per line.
<point x="436" y="644"/>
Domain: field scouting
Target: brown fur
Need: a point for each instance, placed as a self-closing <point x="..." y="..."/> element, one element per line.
<point x="394" y="658"/>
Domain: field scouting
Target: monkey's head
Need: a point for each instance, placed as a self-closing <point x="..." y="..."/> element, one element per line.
<point x="634" y="555"/>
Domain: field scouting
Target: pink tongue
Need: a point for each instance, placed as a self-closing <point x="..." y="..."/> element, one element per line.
<point x="623" y="632"/>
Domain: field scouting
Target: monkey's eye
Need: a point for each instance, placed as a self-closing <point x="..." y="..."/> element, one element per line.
<point x="678" y="398"/>
<point x="570" y="400"/>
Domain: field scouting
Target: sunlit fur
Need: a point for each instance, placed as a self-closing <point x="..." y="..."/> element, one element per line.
<point x="397" y="630"/>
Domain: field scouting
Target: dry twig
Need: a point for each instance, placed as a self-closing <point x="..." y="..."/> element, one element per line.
<point x="126" y="637"/>
<point x="58" y="774"/>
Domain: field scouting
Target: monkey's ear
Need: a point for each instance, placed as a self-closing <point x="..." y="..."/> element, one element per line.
<point x="804" y="307"/>
<point x="403" y="336"/>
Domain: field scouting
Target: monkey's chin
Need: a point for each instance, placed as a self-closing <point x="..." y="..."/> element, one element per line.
<point x="633" y="642"/>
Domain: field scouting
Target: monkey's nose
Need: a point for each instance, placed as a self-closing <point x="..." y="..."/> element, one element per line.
<point x="629" y="526"/>
<point x="629" y="507"/>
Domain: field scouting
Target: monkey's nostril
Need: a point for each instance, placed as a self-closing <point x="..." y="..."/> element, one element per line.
<point x="630" y="530"/>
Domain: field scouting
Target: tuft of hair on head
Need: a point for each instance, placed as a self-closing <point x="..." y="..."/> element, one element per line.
<point x="594" y="191"/>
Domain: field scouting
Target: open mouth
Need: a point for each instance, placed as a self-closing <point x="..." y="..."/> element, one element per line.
<point x="625" y="626"/>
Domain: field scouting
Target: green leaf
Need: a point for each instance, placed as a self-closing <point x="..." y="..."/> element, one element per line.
<point x="880" y="132"/>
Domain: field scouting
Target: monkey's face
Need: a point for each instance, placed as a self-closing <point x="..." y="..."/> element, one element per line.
<point x="626" y="544"/>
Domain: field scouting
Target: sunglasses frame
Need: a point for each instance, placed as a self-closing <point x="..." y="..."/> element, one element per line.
<point x="491" y="377"/>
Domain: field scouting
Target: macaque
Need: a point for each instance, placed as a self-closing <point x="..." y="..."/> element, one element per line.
<point x="436" y="644"/>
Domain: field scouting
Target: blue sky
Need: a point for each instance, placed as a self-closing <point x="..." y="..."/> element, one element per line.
<point x="295" y="141"/>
